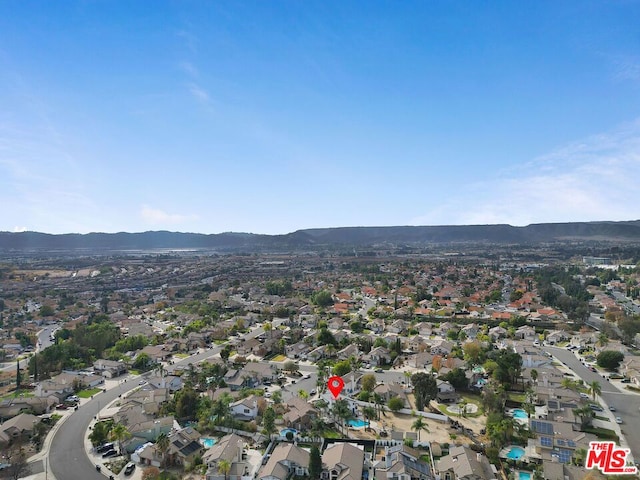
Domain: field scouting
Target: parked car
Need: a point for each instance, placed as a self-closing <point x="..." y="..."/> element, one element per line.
<point x="596" y="408"/>
<point x="61" y="406"/>
<point x="612" y="408"/>
<point x="104" y="447"/>
<point x="109" y="453"/>
<point x="618" y="420"/>
<point x="128" y="470"/>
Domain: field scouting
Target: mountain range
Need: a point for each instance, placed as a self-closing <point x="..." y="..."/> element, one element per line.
<point x="625" y="231"/>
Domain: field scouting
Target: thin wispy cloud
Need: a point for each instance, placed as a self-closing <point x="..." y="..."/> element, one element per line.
<point x="199" y="93"/>
<point x="158" y="217"/>
<point x="594" y="179"/>
<point x="190" y="69"/>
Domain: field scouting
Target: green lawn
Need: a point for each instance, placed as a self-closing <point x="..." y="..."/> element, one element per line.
<point x="18" y="394"/>
<point x="88" y="393"/>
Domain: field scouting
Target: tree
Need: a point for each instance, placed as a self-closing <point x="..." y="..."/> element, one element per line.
<point x="225" y="353"/>
<point x="609" y="359"/>
<point x="595" y="389"/>
<point x="224" y="467"/>
<point x="322" y="299"/>
<point x="268" y="420"/>
<point x="150" y="473"/>
<point x="425" y="389"/>
<point x="142" y="362"/>
<point x="303" y="394"/>
<point x="586" y="416"/>
<point x="162" y="444"/>
<point x="18" y="375"/>
<point x="534" y="375"/>
<point x="277" y="397"/>
<point x="186" y="401"/>
<point x="395" y="404"/>
<point x="342" y="368"/>
<point x="418" y="425"/>
<point x="368" y="382"/>
<point x="16" y="458"/>
<point x="457" y="378"/>
<point x="315" y="463"/>
<point x="369" y="413"/>
<point x="472" y="351"/>
<point x="603" y="339"/>
<point x="100" y="432"/>
<point x="379" y="401"/>
<point x="462" y="408"/>
<point x="290" y="366"/>
<point x="342" y="412"/>
<point x="120" y="433"/>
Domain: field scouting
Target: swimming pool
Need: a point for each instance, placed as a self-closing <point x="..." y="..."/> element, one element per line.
<point x="208" y="442"/>
<point x="519" y="413"/>
<point x="515" y="453"/>
<point x="357" y="423"/>
<point x="283" y="432"/>
<point x="524" y="475"/>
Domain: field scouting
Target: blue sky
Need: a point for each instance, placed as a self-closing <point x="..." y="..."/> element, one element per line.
<point x="269" y="117"/>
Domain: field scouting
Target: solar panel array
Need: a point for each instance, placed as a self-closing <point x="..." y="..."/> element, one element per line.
<point x="546" y="442"/>
<point x="565" y="455"/>
<point x="544" y="428"/>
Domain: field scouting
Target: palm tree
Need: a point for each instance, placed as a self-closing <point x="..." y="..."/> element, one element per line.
<point x="534" y="375"/>
<point x="162" y="444"/>
<point x="462" y="407"/>
<point x="120" y="433"/>
<point x="303" y="394"/>
<point x="369" y="413"/>
<point x="379" y="401"/>
<point x="603" y="339"/>
<point x="594" y="389"/>
<point x="342" y="412"/>
<point x="267" y="326"/>
<point x="418" y="425"/>
<point x="224" y="467"/>
<point x="586" y="415"/>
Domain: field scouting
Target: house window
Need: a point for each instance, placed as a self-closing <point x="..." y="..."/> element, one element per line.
<point x="246" y="410"/>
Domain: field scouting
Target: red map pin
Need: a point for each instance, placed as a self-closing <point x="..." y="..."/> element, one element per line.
<point x="335" y="385"/>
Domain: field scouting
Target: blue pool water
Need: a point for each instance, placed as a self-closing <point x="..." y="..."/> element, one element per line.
<point x="524" y="475"/>
<point x="208" y="442"/>
<point x="284" y="431"/>
<point x="515" y="453"/>
<point x="519" y="413"/>
<point x="357" y="423"/>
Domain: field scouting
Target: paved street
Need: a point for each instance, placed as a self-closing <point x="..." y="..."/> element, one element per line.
<point x="626" y="404"/>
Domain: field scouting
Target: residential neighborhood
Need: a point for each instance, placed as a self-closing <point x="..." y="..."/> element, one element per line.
<point x="452" y="369"/>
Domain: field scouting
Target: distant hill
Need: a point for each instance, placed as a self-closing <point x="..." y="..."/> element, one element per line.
<point x="628" y="231"/>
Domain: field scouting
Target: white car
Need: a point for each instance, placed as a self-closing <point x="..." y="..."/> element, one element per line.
<point x="618" y="420"/>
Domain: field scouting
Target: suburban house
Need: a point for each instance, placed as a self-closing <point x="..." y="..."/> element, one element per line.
<point x="109" y="368"/>
<point x="300" y="414"/>
<point x="378" y="356"/>
<point x="446" y="392"/>
<point x="286" y="459"/>
<point x="18" y="428"/>
<point x="462" y="463"/>
<point x="245" y="409"/>
<point x="230" y="448"/>
<point x="184" y="447"/>
<point x="342" y="461"/>
<point x="402" y="463"/>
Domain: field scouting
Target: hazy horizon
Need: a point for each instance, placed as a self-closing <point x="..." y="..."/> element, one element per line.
<point x="272" y="117"/>
<point x="303" y="229"/>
